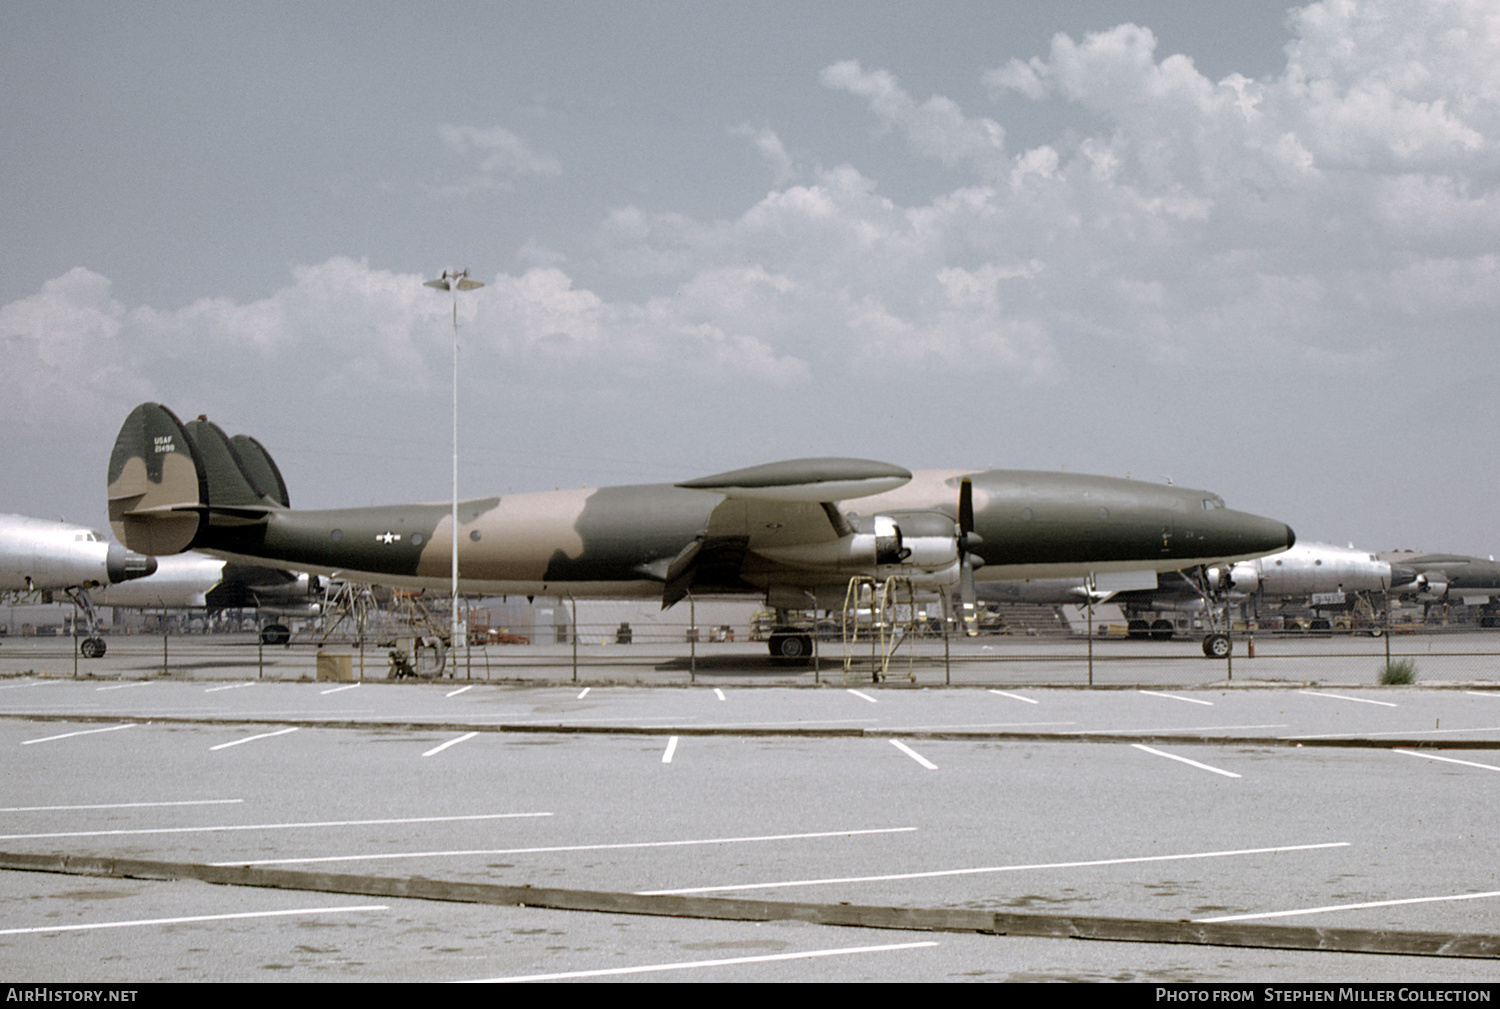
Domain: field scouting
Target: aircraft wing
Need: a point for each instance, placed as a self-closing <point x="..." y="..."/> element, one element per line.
<point x="771" y="510"/>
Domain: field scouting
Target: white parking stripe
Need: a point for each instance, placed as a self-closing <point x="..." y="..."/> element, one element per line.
<point x="718" y="693"/>
<point x="267" y="826"/>
<point x="1402" y="733"/>
<point x="80" y="732"/>
<point x="121" y="805"/>
<point x="1014" y="697"/>
<point x="452" y="742"/>
<point x="232" y="686"/>
<point x="696" y="964"/>
<point x="913" y="754"/>
<point x="455" y="693"/>
<point x="192" y="918"/>
<point x="334" y="690"/>
<point x="863" y="696"/>
<point x="1190" y="700"/>
<point x="666" y="758"/>
<point x="1446" y="760"/>
<point x="1344" y="697"/>
<point x="1194" y="763"/>
<point x="124" y="686"/>
<point x="1352" y="907"/>
<point x="620" y="845"/>
<point x="251" y="739"/>
<point x="996" y="868"/>
<point x="584" y="692"/>
<point x="1186" y="728"/>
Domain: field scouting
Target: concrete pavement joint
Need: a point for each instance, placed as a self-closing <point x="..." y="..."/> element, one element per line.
<point x="939" y="919"/>
<point x="811" y="732"/>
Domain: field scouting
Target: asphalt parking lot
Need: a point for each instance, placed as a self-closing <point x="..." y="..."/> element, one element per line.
<point x="1366" y="810"/>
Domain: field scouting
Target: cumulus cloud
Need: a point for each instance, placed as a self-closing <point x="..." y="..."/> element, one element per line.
<point x="935" y="128"/>
<point x="503" y="157"/>
<point x="64" y="356"/>
<point x="772" y="151"/>
<point x="1331" y="222"/>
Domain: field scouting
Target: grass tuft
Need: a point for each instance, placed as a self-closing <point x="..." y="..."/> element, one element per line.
<point x="1398" y="671"/>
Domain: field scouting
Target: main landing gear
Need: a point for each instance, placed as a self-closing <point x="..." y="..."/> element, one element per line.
<point x="791" y="647"/>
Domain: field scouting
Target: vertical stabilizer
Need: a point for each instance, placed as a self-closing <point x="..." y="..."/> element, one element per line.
<point x="158" y="493"/>
<point x="261" y="468"/>
<point x="230" y="482"/>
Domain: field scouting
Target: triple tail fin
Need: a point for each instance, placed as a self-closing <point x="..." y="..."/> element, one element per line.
<point x="264" y="474"/>
<point x="169" y="481"/>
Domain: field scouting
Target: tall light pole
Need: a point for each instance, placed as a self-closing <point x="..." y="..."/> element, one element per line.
<point x="455" y="281"/>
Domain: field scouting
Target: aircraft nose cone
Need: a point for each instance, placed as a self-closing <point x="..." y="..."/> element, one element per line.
<point x="1252" y="535"/>
<point x="123" y="565"/>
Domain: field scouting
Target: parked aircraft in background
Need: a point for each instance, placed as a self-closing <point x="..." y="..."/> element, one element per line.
<point x="793" y="532"/>
<point x="1317" y="569"/>
<point x="37" y="555"/>
<point x="198" y="581"/>
<point x="1325" y="575"/>
<point x="1452" y="578"/>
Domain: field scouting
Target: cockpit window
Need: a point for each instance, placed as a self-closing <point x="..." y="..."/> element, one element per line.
<point x="1213" y="504"/>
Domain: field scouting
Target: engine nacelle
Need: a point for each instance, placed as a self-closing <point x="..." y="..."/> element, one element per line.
<point x="1432" y="585"/>
<point x="1244" y="577"/>
<point x="920" y="545"/>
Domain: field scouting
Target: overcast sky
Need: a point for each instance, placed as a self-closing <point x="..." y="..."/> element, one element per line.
<point x="1246" y="247"/>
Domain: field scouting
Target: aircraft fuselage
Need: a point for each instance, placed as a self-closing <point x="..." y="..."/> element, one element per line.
<point x="617" y="541"/>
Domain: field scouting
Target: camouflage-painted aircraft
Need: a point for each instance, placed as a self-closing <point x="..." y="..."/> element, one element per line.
<point x="45" y="557"/>
<point x="794" y="532"/>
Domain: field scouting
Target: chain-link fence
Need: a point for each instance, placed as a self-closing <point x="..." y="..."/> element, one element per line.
<point x="729" y="643"/>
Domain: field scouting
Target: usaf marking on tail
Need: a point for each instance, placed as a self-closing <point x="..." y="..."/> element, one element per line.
<point x="793" y="532"/>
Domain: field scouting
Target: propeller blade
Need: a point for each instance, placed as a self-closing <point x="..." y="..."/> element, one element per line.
<point x="966" y="561"/>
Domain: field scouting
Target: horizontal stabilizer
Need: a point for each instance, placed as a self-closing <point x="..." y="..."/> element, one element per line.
<point x="157" y="491"/>
<point x="808" y="480"/>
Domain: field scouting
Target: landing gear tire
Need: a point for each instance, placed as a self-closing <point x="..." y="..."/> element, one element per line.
<point x="1161" y="630"/>
<point x="275" y="634"/>
<point x="791" y="649"/>
<point x="1138" y="630"/>
<point x="92" y="648"/>
<point x="1217" y="646"/>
